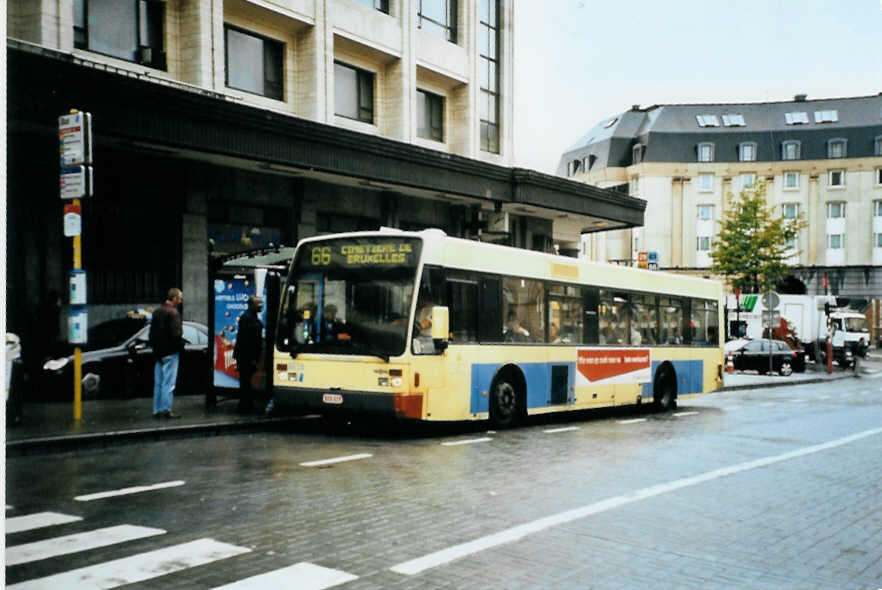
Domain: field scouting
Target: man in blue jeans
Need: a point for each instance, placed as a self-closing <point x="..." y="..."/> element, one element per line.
<point x="166" y="333"/>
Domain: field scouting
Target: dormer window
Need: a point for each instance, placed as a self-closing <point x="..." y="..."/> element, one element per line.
<point x="826" y="116"/>
<point x="797" y="118"/>
<point x="836" y="148"/>
<point x="705" y="152"/>
<point x="747" y="151"/>
<point x="574" y="167"/>
<point x="610" y="123"/>
<point x="790" y="150"/>
<point x="733" y="120"/>
<point x="637" y="153"/>
<point x="707" y="120"/>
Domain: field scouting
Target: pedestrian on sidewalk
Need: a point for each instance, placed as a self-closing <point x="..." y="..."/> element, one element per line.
<point x="249" y="344"/>
<point x="166" y="340"/>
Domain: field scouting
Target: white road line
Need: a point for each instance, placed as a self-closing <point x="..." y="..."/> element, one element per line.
<point x="38" y="520"/>
<point x="563" y="429"/>
<point x="420" y="564"/>
<point x="126" y="491"/>
<point x="468" y="441"/>
<point x="632" y="421"/>
<point x="302" y="576"/>
<point x="136" y="568"/>
<point x="336" y="460"/>
<point x="78" y="542"/>
<point x="685" y="413"/>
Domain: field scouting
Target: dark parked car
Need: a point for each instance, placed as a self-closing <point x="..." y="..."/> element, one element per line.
<point x="754" y="355"/>
<point x="118" y="362"/>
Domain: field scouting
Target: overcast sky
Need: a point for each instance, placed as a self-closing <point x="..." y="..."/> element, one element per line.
<point x="580" y="61"/>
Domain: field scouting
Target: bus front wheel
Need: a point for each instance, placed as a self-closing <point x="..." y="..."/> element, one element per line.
<point x="505" y="408"/>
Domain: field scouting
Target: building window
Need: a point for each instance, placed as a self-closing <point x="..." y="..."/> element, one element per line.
<point x="826" y="116"/>
<point x="877" y="208"/>
<point x="637" y="154"/>
<point x="791" y="180"/>
<point x="573" y="167"/>
<point x="381" y="5"/>
<point x="879" y="176"/>
<point x="747" y="151"/>
<point x="488" y="66"/>
<point x="790" y="150"/>
<point x="790" y="210"/>
<point x="836" y="148"/>
<point x="705" y="182"/>
<point x="733" y="120"/>
<point x="430" y="115"/>
<point x="254" y="63"/>
<point x="353" y="93"/>
<point x="797" y="118"/>
<point x="791" y="244"/>
<point x="703" y="243"/>
<point x="132" y="30"/>
<point x="438" y="17"/>
<point x="836" y="178"/>
<point x="634" y="185"/>
<point x="835" y="210"/>
<point x="705" y="152"/>
<point x="748" y="179"/>
<point x="588" y="162"/>
<point x="877" y="240"/>
<point x="705" y="212"/>
<point x="877" y="146"/>
<point x="707" y="120"/>
<point x="834" y="241"/>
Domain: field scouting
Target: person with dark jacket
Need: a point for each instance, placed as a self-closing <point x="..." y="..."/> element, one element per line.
<point x="249" y="344"/>
<point x="166" y="340"/>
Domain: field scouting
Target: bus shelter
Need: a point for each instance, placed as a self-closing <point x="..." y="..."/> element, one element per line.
<point x="233" y="280"/>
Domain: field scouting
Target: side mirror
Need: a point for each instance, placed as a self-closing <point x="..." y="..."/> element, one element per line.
<point x="440" y="327"/>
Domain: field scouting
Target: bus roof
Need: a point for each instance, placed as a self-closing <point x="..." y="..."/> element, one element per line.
<point x="452" y="252"/>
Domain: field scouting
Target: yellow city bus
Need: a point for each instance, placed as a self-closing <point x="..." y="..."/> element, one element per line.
<point x="420" y="325"/>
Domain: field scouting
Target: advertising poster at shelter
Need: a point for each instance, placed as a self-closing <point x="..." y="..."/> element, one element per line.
<point x="230" y="301"/>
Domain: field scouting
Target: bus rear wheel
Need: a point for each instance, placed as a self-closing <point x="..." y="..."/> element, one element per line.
<point x="665" y="395"/>
<point x="505" y="410"/>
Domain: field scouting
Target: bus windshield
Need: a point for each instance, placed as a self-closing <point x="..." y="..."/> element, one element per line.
<point x="349" y="296"/>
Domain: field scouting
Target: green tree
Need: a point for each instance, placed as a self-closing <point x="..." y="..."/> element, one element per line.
<point x="750" y="247"/>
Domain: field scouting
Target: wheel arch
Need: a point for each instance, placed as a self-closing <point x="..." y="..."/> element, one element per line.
<point x="664" y="372"/>
<point x="514" y="375"/>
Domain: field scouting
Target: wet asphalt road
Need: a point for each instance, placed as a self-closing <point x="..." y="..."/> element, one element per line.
<point x="774" y="488"/>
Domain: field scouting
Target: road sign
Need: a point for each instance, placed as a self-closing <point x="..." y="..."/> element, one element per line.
<point x="771" y="300"/>
<point x="73" y="221"/>
<point x="75" y="139"/>
<point x="75" y="182"/>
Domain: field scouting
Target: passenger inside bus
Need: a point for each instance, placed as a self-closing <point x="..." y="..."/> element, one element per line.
<point x="553" y="334"/>
<point x="514" y="332"/>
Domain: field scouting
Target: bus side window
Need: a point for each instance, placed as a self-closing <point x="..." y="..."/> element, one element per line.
<point x="590" y="299"/>
<point x="490" y="311"/>
<point x="462" y="300"/>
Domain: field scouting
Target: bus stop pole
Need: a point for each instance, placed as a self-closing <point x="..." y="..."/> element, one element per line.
<point x="78" y="356"/>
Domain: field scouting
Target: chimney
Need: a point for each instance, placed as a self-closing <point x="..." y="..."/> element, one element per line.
<point x="800" y="97"/>
<point x="635" y="107"/>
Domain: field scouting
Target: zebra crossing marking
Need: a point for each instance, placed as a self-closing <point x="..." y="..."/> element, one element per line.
<point x="126" y="491"/>
<point x="38" y="520"/>
<point x="303" y="576"/>
<point x="136" y="568"/>
<point x="18" y="554"/>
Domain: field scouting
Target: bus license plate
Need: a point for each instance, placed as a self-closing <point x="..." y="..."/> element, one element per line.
<point x="332" y="398"/>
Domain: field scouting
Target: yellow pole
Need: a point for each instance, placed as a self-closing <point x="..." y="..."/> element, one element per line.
<point x="78" y="357"/>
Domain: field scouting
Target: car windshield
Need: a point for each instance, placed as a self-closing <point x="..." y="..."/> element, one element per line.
<point x="112" y="332"/>
<point x="350" y="296"/>
<point x="856" y="324"/>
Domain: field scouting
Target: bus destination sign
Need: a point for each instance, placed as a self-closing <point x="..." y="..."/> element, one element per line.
<point x="362" y="253"/>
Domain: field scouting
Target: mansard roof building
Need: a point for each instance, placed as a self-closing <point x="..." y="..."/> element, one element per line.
<point x="821" y="159"/>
